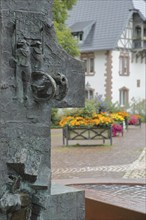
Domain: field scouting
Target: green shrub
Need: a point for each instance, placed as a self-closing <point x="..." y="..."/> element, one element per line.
<point x="138" y="107"/>
<point x="55" y="117"/>
<point x="97" y="105"/>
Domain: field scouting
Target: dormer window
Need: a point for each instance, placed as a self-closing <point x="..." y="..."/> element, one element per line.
<point x="80" y="30"/>
<point x="78" y="36"/>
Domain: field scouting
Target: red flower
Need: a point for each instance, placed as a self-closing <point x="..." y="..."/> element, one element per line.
<point x="133" y="120"/>
<point x="116" y="129"/>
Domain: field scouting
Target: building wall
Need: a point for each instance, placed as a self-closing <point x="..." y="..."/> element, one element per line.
<point x="107" y="81"/>
<point x="97" y="80"/>
<point x="137" y="72"/>
<point x="137" y="67"/>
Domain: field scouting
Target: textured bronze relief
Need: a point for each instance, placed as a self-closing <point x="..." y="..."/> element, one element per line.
<point x="35" y="75"/>
<point x="43" y="86"/>
<point x="23" y="70"/>
<point x="32" y="79"/>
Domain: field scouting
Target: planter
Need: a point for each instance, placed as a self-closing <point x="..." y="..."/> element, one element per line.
<point x="137" y="124"/>
<point x="86" y="133"/>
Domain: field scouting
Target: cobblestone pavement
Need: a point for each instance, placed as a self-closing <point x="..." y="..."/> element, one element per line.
<point x="138" y="168"/>
<point x="105" y="172"/>
<point x="124" y="159"/>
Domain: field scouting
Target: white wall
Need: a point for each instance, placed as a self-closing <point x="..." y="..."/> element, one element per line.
<point x="97" y="81"/>
<point x="137" y="72"/>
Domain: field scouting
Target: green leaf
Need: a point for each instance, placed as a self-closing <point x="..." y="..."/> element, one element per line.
<point x="64" y="36"/>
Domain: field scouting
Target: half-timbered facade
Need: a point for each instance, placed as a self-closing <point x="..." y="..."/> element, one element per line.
<point x="112" y="40"/>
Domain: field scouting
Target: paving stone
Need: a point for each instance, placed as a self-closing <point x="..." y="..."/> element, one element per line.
<point x="124" y="159"/>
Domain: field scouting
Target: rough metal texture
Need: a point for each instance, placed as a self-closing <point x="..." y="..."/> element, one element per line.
<point x="35" y="75"/>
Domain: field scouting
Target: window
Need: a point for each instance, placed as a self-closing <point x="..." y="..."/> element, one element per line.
<point x="138" y="32"/>
<point x="144" y="37"/>
<point x="124" y="96"/>
<point x="78" y="36"/>
<point x="124" y="65"/>
<point x="138" y="83"/>
<point x="144" y="32"/>
<point x="89" y="63"/>
<point x="85" y="61"/>
<point x="89" y="92"/>
<point x="89" y="66"/>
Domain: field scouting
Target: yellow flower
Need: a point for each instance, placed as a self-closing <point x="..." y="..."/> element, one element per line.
<point x="117" y="117"/>
<point x="95" y="120"/>
<point x="123" y="114"/>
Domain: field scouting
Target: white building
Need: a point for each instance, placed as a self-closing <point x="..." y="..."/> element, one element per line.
<point x="112" y="40"/>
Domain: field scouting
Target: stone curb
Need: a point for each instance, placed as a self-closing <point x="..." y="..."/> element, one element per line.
<point x="77" y="181"/>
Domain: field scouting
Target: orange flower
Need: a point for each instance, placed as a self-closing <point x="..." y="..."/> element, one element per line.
<point x="137" y="116"/>
<point x="123" y="114"/>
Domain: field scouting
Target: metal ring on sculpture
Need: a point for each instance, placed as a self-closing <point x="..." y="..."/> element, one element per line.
<point x="62" y="86"/>
<point x="43" y="86"/>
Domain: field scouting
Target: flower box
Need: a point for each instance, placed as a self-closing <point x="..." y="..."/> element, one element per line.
<point x="133" y="122"/>
<point x="87" y="133"/>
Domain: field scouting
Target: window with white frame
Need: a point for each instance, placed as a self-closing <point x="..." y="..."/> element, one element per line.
<point x="89" y="63"/>
<point x="124" y="96"/>
<point x="124" y="65"/>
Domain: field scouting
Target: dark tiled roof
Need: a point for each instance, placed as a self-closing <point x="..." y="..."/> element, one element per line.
<point x="141" y="6"/>
<point x="110" y="19"/>
<point x="80" y="26"/>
